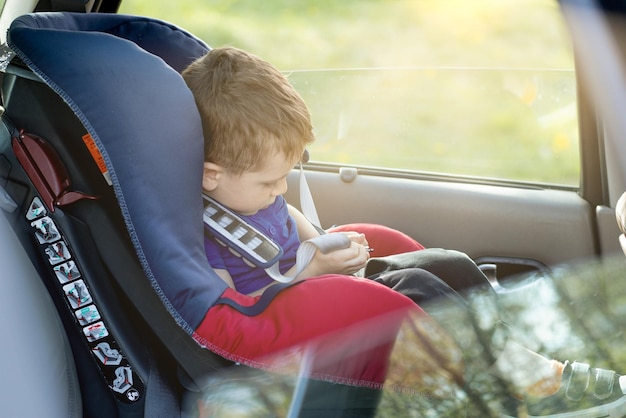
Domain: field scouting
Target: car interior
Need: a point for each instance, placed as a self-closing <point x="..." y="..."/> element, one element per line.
<point x="101" y="242"/>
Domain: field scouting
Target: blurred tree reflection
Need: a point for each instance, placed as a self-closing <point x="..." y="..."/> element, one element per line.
<point x="574" y="313"/>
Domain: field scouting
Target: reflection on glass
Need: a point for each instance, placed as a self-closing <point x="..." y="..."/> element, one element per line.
<point x="574" y="314"/>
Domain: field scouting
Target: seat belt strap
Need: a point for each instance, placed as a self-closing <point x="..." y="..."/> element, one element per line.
<point x="306" y="198"/>
<point x="325" y="243"/>
<point x="306" y="201"/>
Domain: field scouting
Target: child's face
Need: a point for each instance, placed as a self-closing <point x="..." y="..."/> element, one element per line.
<point x="251" y="191"/>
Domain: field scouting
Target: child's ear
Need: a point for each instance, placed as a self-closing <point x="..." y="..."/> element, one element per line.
<point x="210" y="176"/>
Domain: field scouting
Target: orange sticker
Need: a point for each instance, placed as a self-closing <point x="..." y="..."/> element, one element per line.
<point x="96" y="155"/>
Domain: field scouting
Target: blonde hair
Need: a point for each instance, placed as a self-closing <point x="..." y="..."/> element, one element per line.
<point x="249" y="110"/>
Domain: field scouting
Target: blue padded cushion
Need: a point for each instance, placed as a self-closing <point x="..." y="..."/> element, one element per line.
<point x="120" y="75"/>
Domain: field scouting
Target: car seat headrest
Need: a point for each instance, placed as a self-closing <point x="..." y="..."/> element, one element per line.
<point x="120" y="76"/>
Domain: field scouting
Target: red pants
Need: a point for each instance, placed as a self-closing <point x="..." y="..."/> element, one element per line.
<point x="342" y="327"/>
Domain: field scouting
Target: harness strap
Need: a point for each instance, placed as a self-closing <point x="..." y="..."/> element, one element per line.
<point x="260" y="305"/>
<point x="256" y="248"/>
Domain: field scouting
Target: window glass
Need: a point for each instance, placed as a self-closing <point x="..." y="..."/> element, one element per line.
<point x="483" y="88"/>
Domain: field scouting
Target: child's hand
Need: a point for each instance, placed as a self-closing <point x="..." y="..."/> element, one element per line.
<point x="356" y="237"/>
<point x="345" y="261"/>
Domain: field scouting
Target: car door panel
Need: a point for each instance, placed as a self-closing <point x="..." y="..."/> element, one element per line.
<point x="608" y="231"/>
<point x="485" y="221"/>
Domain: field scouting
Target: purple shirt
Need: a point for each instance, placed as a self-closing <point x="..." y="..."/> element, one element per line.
<point x="276" y="223"/>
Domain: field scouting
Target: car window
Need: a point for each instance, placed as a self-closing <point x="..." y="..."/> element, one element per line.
<point x="483" y="88"/>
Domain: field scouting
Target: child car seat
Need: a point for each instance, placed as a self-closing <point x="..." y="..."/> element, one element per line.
<point x="67" y="212"/>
